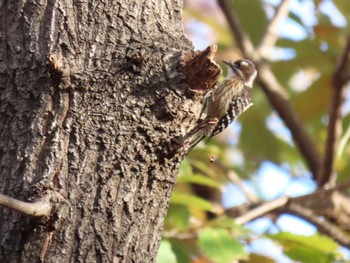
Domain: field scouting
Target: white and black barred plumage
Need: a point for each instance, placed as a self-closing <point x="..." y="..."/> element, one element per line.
<point x="236" y="108"/>
<point x="228" y="100"/>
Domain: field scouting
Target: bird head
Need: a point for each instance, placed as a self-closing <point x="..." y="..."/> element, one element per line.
<point x="242" y="68"/>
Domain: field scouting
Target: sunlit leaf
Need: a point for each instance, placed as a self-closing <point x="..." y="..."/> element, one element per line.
<point x="177" y="217"/>
<point x="165" y="253"/>
<point x="320" y="91"/>
<point x="342" y="164"/>
<point x="257" y="141"/>
<point x="185" y="168"/>
<point x="343" y="7"/>
<point x="305" y="50"/>
<point x="296" y="18"/>
<point x="203" y="167"/>
<point x="228" y="224"/>
<point x="260" y="138"/>
<point x="308" y="249"/>
<point x="219" y="246"/>
<point x="317" y="241"/>
<point x="181" y="251"/>
<point x="345" y="137"/>
<point x="258" y="149"/>
<point x="191" y="201"/>
<point x="220" y="29"/>
<point x="198" y="179"/>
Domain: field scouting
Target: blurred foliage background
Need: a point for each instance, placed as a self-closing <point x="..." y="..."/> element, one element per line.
<point x="256" y="159"/>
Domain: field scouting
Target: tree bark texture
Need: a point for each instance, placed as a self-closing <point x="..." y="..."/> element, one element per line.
<point x="91" y="92"/>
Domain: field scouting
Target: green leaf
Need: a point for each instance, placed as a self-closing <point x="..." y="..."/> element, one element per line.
<point x="345" y="137"/>
<point x="328" y="33"/>
<point x="306" y="49"/>
<point x="182" y="251"/>
<point x="320" y="89"/>
<point x="342" y="164"/>
<point x="165" y="253"/>
<point x="343" y="7"/>
<point x="252" y="17"/>
<point x="191" y="201"/>
<point x="296" y="18"/>
<point x="185" y="168"/>
<point x="308" y="249"/>
<point x="256" y="149"/>
<point x="204" y="168"/>
<point x="222" y="31"/>
<point x="177" y="217"/>
<point x="229" y="224"/>
<point x="317" y="241"/>
<point x="198" y="179"/>
<point x="217" y="244"/>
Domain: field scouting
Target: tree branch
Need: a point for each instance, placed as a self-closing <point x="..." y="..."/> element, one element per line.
<point x="340" y="78"/>
<point x="308" y="207"/>
<point x="280" y="101"/>
<point x="242" y="39"/>
<point x="322" y="224"/>
<point x="270" y="37"/>
<point x="179" y="235"/>
<point x="238" y="182"/>
<point x="262" y="210"/>
<point x="321" y="192"/>
<point x="37" y="209"/>
<point x="274" y="91"/>
<point x="297" y="206"/>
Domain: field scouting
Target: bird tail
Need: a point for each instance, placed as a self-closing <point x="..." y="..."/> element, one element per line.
<point x="195" y="141"/>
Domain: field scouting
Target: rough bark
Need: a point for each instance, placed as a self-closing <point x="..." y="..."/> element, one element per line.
<point x="90" y="94"/>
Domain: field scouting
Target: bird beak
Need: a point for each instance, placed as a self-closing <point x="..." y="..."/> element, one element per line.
<point x="226" y="62"/>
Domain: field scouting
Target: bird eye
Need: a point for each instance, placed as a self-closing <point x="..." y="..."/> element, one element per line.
<point x="244" y="63"/>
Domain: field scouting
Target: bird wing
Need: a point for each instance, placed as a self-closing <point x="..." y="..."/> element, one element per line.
<point x="236" y="107"/>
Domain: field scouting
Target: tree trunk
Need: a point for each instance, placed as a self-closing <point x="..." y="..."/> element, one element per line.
<point x="91" y="94"/>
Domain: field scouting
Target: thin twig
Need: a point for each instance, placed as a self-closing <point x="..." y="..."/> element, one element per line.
<point x="237" y="181"/>
<point x="262" y="210"/>
<point x="299" y="206"/>
<point x="292" y="205"/>
<point x="36" y="209"/>
<point x="323" y="192"/>
<point x="277" y="96"/>
<point x="270" y="37"/>
<point x="320" y="194"/>
<point x="335" y="122"/>
<point x="179" y="235"/>
<point x="343" y="141"/>
<point x="295" y="206"/>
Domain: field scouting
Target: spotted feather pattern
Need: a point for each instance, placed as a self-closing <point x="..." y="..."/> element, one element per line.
<point x="240" y="104"/>
<point x="227" y="101"/>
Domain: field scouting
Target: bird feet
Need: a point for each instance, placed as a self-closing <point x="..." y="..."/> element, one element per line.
<point x="200" y="125"/>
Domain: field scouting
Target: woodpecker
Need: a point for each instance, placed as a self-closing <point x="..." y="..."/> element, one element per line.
<point x="227" y="101"/>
